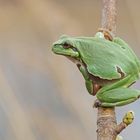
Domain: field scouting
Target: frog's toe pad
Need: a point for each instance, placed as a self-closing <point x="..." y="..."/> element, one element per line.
<point x="97" y="103"/>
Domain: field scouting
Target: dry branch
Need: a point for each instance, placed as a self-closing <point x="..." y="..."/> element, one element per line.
<point x="107" y="128"/>
<point x="106" y="120"/>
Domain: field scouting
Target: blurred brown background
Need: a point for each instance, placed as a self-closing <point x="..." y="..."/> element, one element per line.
<point x="42" y="96"/>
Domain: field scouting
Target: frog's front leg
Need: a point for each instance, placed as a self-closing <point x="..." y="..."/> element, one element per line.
<point x="88" y="81"/>
<point x="118" y="94"/>
<point x="91" y="87"/>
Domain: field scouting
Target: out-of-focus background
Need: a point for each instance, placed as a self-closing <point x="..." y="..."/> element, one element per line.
<point x="42" y="96"/>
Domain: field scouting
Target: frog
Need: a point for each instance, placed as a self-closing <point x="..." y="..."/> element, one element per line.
<point x="109" y="67"/>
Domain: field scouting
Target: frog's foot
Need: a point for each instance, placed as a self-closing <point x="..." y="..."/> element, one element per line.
<point x="97" y="103"/>
<point x="107" y="34"/>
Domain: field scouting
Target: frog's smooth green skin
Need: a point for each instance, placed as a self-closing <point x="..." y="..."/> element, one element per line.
<point x="112" y="65"/>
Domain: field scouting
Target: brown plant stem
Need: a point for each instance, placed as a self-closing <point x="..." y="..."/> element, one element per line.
<point x="106" y="124"/>
<point x="109" y="14"/>
<point x="106" y="119"/>
<point x="107" y="128"/>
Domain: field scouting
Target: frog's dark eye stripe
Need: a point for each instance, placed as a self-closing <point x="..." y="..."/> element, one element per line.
<point x="66" y="46"/>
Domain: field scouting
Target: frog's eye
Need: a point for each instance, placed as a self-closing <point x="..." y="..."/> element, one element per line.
<point x="66" y="46"/>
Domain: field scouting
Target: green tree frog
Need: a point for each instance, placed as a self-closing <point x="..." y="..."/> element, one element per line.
<point x="108" y="67"/>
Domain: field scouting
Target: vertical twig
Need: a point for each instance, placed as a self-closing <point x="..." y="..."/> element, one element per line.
<point x="109" y="14"/>
<point x="107" y="128"/>
<point x="106" y="119"/>
<point x="106" y="124"/>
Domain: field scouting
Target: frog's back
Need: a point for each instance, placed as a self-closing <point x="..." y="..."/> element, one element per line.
<point x="106" y="59"/>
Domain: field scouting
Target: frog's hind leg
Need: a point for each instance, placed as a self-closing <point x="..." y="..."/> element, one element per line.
<point x="120" y="42"/>
<point x="125" y="82"/>
<point x="118" y="97"/>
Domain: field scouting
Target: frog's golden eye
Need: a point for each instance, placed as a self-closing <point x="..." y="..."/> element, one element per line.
<point x="66" y="46"/>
